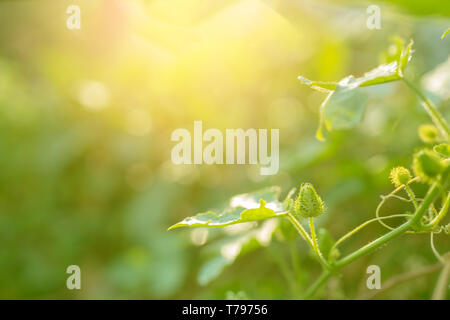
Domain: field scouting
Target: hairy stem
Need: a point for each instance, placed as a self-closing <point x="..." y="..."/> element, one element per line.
<point x="361" y="226"/>
<point x="429" y="198"/>
<point x="391" y="195"/>
<point x="441" y="214"/>
<point x="421" y="210"/>
<point x="412" y="196"/>
<point x="312" y="243"/>
<point x="300" y="229"/>
<point x="315" y="244"/>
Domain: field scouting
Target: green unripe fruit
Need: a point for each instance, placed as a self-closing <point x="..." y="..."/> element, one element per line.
<point x="400" y="176"/>
<point x="308" y="203"/>
<point x="428" y="133"/>
<point x="427" y="165"/>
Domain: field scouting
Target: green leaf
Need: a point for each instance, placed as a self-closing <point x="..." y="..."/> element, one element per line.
<point x="246" y="207"/>
<point x="382" y="74"/>
<point x="318" y="85"/>
<point x="345" y="106"/>
<point x="405" y="57"/>
<point x="445" y="33"/>
<point x="346" y="101"/>
<point x="443" y="149"/>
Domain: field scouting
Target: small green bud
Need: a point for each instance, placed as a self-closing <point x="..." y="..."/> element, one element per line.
<point x="427" y="165"/>
<point x="428" y="133"/>
<point x="400" y="176"/>
<point x="308" y="203"/>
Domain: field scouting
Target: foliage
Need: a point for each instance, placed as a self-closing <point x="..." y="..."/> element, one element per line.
<point x="343" y="109"/>
<point x="85" y="123"/>
<point x="259" y="205"/>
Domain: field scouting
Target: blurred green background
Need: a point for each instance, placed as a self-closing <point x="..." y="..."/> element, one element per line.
<point x="85" y="122"/>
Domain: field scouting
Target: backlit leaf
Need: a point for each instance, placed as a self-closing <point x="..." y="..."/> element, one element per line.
<point x="246" y="207"/>
<point x="345" y="107"/>
<point x="346" y="101"/>
<point x="318" y="85"/>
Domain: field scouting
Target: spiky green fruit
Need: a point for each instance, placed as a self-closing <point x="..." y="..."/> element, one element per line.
<point x="308" y="203"/>
<point x="400" y="176"/>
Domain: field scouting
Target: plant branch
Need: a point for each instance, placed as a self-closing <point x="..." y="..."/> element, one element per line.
<point x="412" y="196"/>
<point x="326" y="274"/>
<point x="315" y="244"/>
<point x="428" y="200"/>
<point x="300" y="229"/>
<point x="421" y="210"/>
<point x="391" y="195"/>
<point x="349" y="234"/>
<point x="308" y="239"/>
<point x="441" y="213"/>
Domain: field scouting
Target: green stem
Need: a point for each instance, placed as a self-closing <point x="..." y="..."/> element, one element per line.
<point x="326" y="274"/>
<point x="429" y="198"/>
<point x="308" y="239"/>
<point x="427" y="201"/>
<point x="300" y="229"/>
<point x="441" y="214"/>
<point x="431" y="109"/>
<point x="433" y="248"/>
<point x="361" y="226"/>
<point x="315" y="244"/>
<point x="384" y="199"/>
<point x="412" y="196"/>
